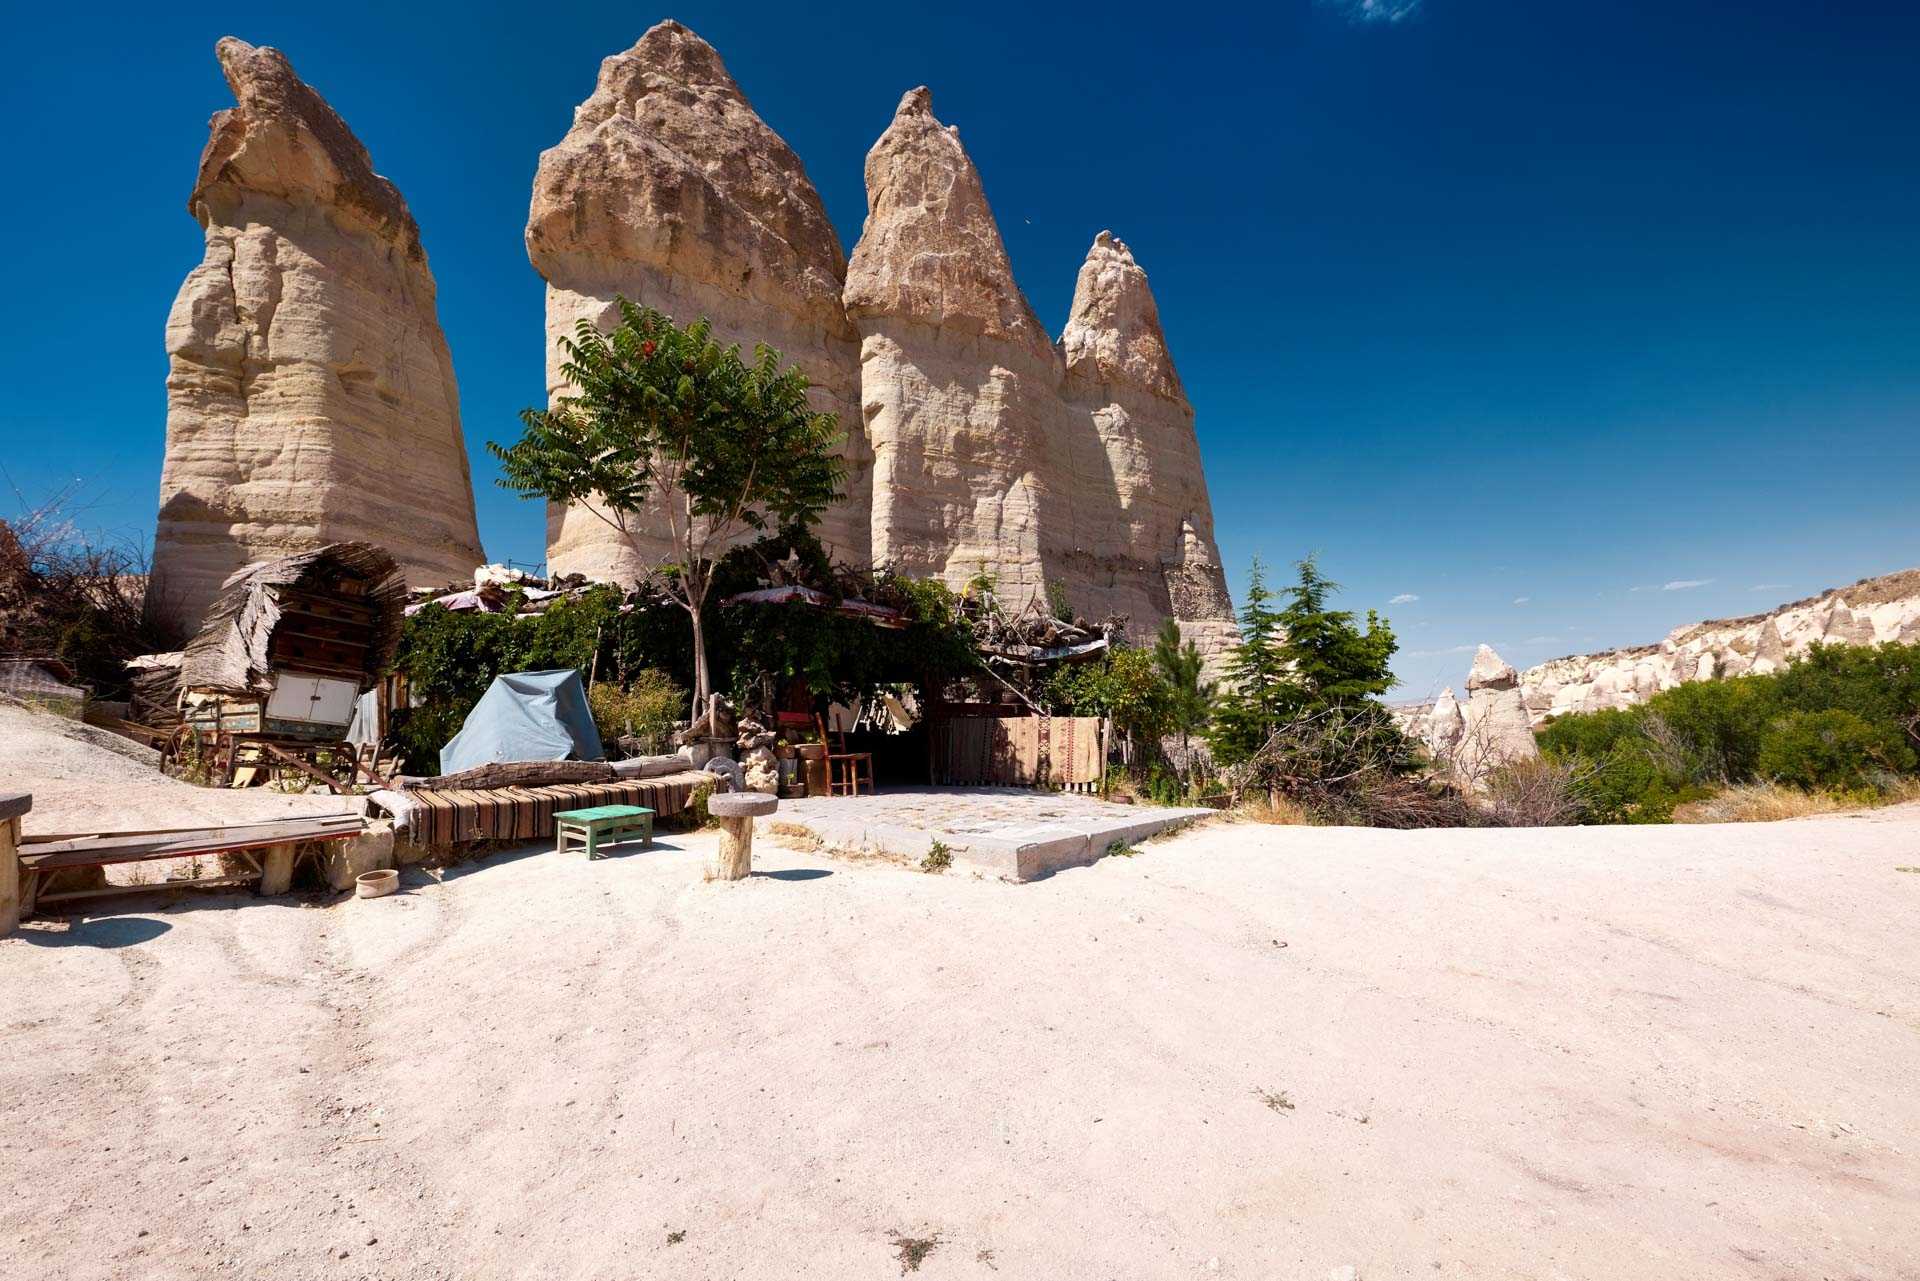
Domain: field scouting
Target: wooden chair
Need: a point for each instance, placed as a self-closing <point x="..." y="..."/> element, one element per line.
<point x="845" y="770"/>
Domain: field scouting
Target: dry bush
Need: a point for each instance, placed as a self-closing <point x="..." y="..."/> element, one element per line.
<point x="1398" y="801"/>
<point x="1537" y="793"/>
<point x="1349" y="766"/>
<point x="1277" y="810"/>
<point x="73" y="595"/>
<point x="1773" y="802"/>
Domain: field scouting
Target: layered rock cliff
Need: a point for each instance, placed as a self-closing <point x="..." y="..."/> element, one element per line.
<point x="670" y="190"/>
<point x="1869" y="612"/>
<point x="310" y="393"/>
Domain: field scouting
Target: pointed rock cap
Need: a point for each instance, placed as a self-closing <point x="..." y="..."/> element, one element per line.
<point x="1113" y="332"/>
<point x="1446" y="722"/>
<point x="1490" y="671"/>
<point x="930" y="250"/>
<point x="283" y="140"/>
<point x="667" y="166"/>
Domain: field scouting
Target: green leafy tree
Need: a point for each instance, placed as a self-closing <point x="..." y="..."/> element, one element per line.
<point x="1189" y="699"/>
<point x="1125" y="685"/>
<point x="665" y="425"/>
<point x="1299" y="659"/>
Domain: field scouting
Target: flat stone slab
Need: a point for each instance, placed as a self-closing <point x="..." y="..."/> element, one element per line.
<point x="1012" y="833"/>
<point x="742" y="804"/>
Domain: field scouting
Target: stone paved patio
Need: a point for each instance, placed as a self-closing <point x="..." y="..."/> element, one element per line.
<point x="1010" y="832"/>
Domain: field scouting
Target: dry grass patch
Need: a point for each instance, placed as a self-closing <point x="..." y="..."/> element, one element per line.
<point x="1277" y="810"/>
<point x="796" y="837"/>
<point x="1771" y="803"/>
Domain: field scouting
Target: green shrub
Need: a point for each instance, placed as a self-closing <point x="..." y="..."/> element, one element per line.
<point x="1832" y="750"/>
<point x="1840" y="719"/>
<point x="646" y="708"/>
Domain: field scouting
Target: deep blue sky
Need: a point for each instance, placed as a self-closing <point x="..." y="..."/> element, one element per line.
<point x="1513" y="307"/>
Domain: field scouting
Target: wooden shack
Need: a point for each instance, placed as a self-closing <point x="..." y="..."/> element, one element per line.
<point x="284" y="654"/>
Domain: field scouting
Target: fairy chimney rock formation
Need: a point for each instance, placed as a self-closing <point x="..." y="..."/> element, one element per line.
<point x="958" y="378"/>
<point x="670" y="191"/>
<point x="1445" y="725"/>
<point x="974" y="441"/>
<point x="310" y="393"/>
<point x="1147" y="551"/>
<point x="1496" y="730"/>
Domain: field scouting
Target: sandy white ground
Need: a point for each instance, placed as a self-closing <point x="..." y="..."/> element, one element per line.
<point x="1598" y="1053"/>
<point x="85" y="779"/>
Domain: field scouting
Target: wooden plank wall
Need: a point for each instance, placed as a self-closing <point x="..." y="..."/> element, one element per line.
<point x="992" y="751"/>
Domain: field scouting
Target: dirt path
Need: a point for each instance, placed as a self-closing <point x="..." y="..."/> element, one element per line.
<point x="1247" y="1051"/>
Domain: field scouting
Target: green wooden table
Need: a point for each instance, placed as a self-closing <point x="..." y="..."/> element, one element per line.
<point x="601" y="825"/>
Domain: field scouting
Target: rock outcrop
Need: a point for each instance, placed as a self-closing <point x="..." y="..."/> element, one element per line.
<point x="1444" y="726"/>
<point x="1149" y="551"/>
<point x="1068" y="468"/>
<point x="1871" y="611"/>
<point x="669" y="190"/>
<point x="310" y="393"/>
<point x="959" y="381"/>
<point x="975" y="442"/>
<point x="1495" y="729"/>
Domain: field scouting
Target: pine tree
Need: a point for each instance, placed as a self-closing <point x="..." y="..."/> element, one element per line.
<point x="1296" y="660"/>
<point x="1256" y="678"/>
<point x="1189" y="699"/>
<point x="1330" y="661"/>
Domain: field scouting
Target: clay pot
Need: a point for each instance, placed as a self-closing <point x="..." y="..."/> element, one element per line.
<point x="376" y="884"/>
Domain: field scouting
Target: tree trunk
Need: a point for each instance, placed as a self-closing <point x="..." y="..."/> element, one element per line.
<point x="733" y="860"/>
<point x="702" y="685"/>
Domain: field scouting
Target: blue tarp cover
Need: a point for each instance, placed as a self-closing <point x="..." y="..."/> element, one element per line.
<point x="526" y="716"/>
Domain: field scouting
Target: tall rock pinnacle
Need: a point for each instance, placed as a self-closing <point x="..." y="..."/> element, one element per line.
<point x="959" y="383"/>
<point x="1150" y="551"/>
<point x="670" y="190"/>
<point x="310" y="393"/>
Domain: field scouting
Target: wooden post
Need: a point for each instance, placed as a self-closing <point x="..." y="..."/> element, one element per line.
<point x="276" y="869"/>
<point x="735" y="812"/>
<point x="12" y="806"/>
<point x="733" y="861"/>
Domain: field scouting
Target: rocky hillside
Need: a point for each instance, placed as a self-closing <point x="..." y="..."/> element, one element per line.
<point x="1868" y="612"/>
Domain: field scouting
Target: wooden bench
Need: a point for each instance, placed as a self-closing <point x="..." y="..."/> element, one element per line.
<point x="601" y="825"/>
<point x="265" y="851"/>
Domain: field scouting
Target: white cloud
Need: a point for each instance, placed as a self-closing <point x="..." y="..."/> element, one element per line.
<point x="1542" y="640"/>
<point x="1684" y="584"/>
<point x="1768" y="587"/>
<point x="1370" y="11"/>
<point x="1404" y="598"/>
<point x="1442" y="653"/>
<point x="1521" y="600"/>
